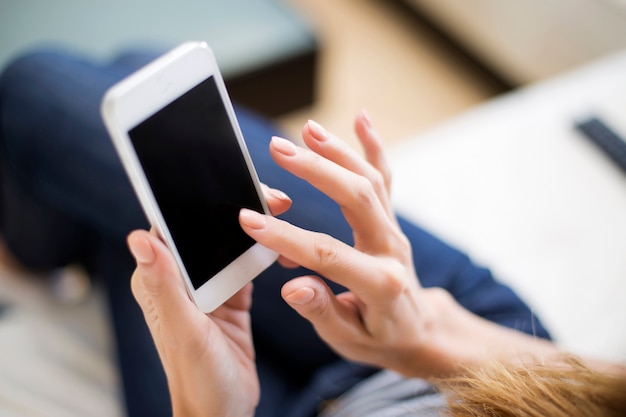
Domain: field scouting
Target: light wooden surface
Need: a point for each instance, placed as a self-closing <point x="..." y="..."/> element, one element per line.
<point x="531" y="40"/>
<point x="375" y="56"/>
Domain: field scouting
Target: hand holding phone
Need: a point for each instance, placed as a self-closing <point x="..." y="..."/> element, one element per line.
<point x="176" y="133"/>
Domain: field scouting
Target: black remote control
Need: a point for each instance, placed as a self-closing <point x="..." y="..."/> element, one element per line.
<point x="605" y="138"/>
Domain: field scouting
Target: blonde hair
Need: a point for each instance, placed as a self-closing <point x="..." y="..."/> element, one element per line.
<point x="566" y="389"/>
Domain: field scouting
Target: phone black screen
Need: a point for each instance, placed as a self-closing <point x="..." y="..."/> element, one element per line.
<point x="194" y="165"/>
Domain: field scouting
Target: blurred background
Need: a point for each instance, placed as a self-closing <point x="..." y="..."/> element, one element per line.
<point x="413" y="64"/>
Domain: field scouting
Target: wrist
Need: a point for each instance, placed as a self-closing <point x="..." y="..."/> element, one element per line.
<point x="463" y="339"/>
<point x="425" y="348"/>
<point x="448" y="339"/>
<point x="207" y="400"/>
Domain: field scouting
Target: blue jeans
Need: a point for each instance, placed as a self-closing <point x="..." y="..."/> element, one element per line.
<point x="65" y="198"/>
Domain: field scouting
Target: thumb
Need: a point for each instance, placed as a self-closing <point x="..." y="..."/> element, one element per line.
<point x="157" y="284"/>
<point x="307" y="295"/>
<point x="315" y="301"/>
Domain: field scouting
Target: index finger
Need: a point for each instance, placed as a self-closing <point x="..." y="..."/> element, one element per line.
<point x="373" y="280"/>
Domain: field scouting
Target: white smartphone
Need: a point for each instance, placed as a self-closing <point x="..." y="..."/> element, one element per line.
<point x="176" y="133"/>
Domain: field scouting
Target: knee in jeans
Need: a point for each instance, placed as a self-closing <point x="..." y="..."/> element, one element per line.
<point x="30" y="62"/>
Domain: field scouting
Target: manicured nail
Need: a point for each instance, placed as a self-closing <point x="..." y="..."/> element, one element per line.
<point x="284" y="146"/>
<point x="301" y="296"/>
<point x="279" y="194"/>
<point x="252" y="219"/>
<point x="141" y="249"/>
<point x="366" y="118"/>
<point x="317" y="131"/>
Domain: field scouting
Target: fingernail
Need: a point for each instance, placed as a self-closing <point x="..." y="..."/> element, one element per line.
<point x="252" y="219"/>
<point x="317" y="131"/>
<point x="301" y="296"/>
<point x="279" y="195"/>
<point x="366" y="118"/>
<point x="284" y="146"/>
<point x="141" y="249"/>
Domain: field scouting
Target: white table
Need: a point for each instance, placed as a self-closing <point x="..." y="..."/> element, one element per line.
<point x="515" y="186"/>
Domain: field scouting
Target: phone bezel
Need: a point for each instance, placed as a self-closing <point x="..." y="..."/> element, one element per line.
<point x="139" y="96"/>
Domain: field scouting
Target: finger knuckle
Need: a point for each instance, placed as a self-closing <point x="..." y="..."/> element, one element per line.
<point x="392" y="280"/>
<point x="440" y="296"/>
<point x="403" y="245"/>
<point x="396" y="280"/>
<point x="364" y="192"/>
<point x="398" y="246"/>
<point x="326" y="250"/>
<point x="378" y="182"/>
